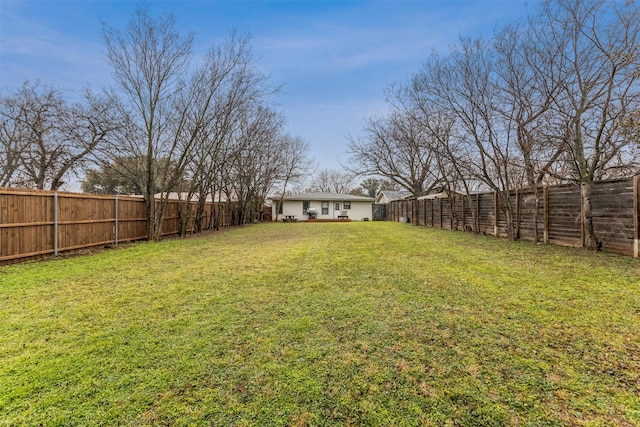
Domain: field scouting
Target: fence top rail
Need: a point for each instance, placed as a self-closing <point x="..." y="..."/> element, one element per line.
<point x="529" y="190"/>
<point x="33" y="192"/>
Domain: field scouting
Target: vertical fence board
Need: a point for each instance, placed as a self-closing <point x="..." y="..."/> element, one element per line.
<point x="636" y="216"/>
<point x="496" y="213"/>
<point x="557" y="218"/>
<point x="545" y="201"/>
<point x="35" y="223"/>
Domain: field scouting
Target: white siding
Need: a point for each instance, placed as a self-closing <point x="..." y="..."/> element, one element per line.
<point x="358" y="211"/>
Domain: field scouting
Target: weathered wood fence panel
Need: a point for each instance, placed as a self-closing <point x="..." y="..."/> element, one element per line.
<point x="615" y="209"/>
<point x="132" y="219"/>
<point x="527" y="206"/>
<point x="563" y="212"/>
<point x="379" y="212"/>
<point x="26" y="225"/>
<point x="34" y="223"/>
<point x="613" y="215"/>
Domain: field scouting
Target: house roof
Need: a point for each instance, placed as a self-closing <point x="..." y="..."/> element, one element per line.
<point x="394" y="195"/>
<point x="332" y="197"/>
<point x="439" y="194"/>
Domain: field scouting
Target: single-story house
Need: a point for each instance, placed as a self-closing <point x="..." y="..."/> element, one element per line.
<point x="324" y="206"/>
<point x="386" y="196"/>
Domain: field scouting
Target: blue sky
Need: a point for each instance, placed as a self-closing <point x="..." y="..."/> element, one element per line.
<point x="334" y="59"/>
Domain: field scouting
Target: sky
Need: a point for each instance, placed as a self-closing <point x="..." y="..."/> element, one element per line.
<point x="333" y="59"/>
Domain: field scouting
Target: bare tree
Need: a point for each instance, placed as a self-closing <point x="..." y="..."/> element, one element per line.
<point x="13" y="138"/>
<point x="396" y="148"/>
<point x="295" y="164"/>
<point x="233" y="89"/>
<point x="526" y="90"/>
<point x="45" y="138"/>
<point x="551" y="99"/>
<point x="598" y="71"/>
<point x="255" y="162"/>
<point x="196" y="118"/>
<point x="463" y="84"/>
<point x="331" y="181"/>
<point x="149" y="60"/>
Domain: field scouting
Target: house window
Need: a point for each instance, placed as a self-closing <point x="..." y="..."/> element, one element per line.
<point x="346" y="205"/>
<point x="336" y="206"/>
<point x="325" y="208"/>
<point x="305" y="207"/>
<point x="279" y="207"/>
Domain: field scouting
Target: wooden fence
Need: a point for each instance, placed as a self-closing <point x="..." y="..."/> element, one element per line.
<point x="615" y="209"/>
<point x="35" y="223"/>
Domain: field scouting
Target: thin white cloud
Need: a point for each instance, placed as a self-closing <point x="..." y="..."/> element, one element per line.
<point x="334" y="58"/>
<point x="70" y="61"/>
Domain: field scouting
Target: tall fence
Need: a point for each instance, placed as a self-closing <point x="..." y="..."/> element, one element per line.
<point x="35" y="223"/>
<point x="615" y="211"/>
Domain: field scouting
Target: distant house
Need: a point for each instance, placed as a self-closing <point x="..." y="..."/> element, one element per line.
<point x="182" y="196"/>
<point x="440" y="193"/>
<point x="324" y="206"/>
<point x="386" y="196"/>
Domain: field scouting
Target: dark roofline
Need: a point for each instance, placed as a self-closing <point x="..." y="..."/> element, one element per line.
<point x="326" y="197"/>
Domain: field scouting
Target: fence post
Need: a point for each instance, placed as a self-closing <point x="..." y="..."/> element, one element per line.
<point x="545" y="214"/>
<point x="55" y="223"/>
<point x="583" y="234"/>
<point x="517" y="214"/>
<point x="452" y="210"/>
<point x="477" y="215"/>
<point x="636" y="216"/>
<point x="432" y="219"/>
<point x="495" y="213"/>
<point x="462" y="204"/>
<point x="116" y="224"/>
<point x="414" y="214"/>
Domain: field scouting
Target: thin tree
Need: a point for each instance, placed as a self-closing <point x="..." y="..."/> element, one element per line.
<point x="462" y="84"/>
<point x="526" y="91"/>
<point x="331" y="181"/>
<point x="45" y="138"/>
<point x="148" y="61"/>
<point x="295" y="165"/>
<point x="598" y="72"/>
<point x="395" y="147"/>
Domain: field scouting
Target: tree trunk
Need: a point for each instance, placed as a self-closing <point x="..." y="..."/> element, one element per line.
<point x="152" y="225"/>
<point x="507" y="210"/>
<point x="536" y="211"/>
<point x="199" y="216"/>
<point x="590" y="242"/>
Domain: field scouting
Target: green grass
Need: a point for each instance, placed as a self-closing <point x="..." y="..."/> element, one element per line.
<point x="323" y="324"/>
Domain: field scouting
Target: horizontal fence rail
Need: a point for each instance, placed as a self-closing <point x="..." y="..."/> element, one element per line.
<point x="615" y="212"/>
<point x="36" y="223"/>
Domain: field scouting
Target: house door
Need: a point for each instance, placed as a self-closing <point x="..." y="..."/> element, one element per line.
<point x="336" y="210"/>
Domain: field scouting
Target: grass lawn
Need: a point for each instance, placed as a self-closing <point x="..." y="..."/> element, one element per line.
<point x="323" y="324"/>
